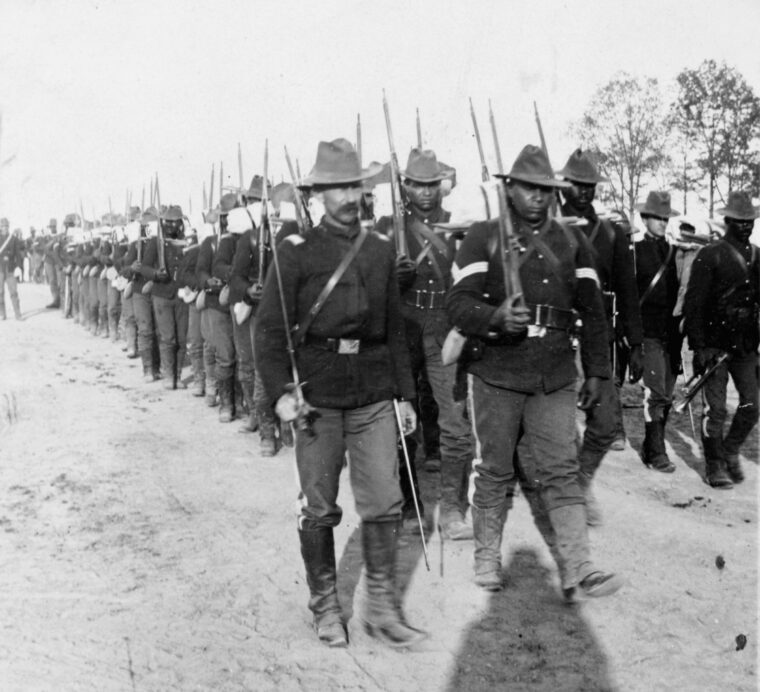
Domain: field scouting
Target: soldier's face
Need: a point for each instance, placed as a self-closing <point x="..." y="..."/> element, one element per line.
<point x="531" y="202"/>
<point x="741" y="229"/>
<point x="580" y="195"/>
<point x="655" y="225"/>
<point x="341" y="204"/>
<point x="425" y="197"/>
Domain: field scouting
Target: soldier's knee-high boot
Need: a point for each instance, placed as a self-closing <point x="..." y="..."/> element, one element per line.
<point x="383" y="618"/>
<point x="149" y="374"/>
<point x="318" y="552"/>
<point x="168" y="366"/>
<point x="251" y="423"/>
<point x="199" y="377"/>
<point x="579" y="576"/>
<point x="226" y="400"/>
<point x="16" y="306"/>
<point x="715" y="464"/>
<point x="653" y="453"/>
<point x="487" y="527"/>
<point x="744" y="420"/>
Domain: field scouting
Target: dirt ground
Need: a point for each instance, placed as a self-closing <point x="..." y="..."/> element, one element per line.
<point x="145" y="546"/>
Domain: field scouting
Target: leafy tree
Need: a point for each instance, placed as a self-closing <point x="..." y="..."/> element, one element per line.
<point x="626" y="126"/>
<point x="719" y="114"/>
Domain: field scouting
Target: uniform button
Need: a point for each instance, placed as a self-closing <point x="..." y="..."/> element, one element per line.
<point x="430" y="281"/>
<point x="545" y="281"/>
<point x="540" y="257"/>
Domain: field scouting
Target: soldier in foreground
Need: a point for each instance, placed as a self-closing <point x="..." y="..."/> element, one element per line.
<point x="614" y="265"/>
<point x="721" y="316"/>
<point x="354" y="362"/>
<point x="525" y="383"/>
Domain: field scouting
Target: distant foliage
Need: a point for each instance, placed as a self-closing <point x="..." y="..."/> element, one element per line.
<point x="627" y="126"/>
<point x="718" y="114"/>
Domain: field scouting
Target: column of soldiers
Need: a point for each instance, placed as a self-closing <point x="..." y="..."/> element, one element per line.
<point x="320" y="330"/>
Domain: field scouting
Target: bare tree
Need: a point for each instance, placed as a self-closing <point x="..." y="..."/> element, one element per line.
<point x="626" y="126"/>
<point x="718" y="113"/>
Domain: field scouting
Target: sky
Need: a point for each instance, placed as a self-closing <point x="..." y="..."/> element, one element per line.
<point x="96" y="97"/>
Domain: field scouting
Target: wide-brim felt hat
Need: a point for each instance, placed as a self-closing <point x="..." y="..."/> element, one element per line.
<point x="228" y="202"/>
<point x="256" y="188"/>
<point x="657" y="204"/>
<point x="532" y="166"/>
<point x="580" y="168"/>
<point x="173" y="213"/>
<point x="423" y="167"/>
<point x="149" y="215"/>
<point x="338" y="164"/>
<point x="740" y="207"/>
<point x="283" y="192"/>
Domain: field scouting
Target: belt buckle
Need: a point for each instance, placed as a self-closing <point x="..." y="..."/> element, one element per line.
<point x="348" y="347"/>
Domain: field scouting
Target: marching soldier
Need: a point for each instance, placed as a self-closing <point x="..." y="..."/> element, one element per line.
<point x="354" y="362"/>
<point x="160" y="265"/>
<point x="721" y="316"/>
<point x="657" y="278"/>
<point x="11" y="259"/>
<point x="122" y="263"/>
<point x="424" y="277"/>
<point x="614" y="266"/>
<point x="216" y="321"/>
<point x="51" y="274"/>
<point x="524" y="385"/>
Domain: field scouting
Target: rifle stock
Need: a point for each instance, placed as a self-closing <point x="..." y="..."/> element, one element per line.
<point x="302" y="210"/>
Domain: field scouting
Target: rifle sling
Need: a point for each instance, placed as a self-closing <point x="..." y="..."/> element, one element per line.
<point x="5" y="244"/>
<point x="302" y="329"/>
<point x="427" y="240"/>
<point x="656" y="278"/>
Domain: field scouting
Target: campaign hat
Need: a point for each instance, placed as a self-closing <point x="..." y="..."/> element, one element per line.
<point x="740" y="207"/>
<point x="423" y="166"/>
<point x="532" y="166"/>
<point x="657" y="204"/>
<point x="228" y="202"/>
<point x="134" y="213"/>
<point x="172" y="213"/>
<point x="580" y="168"/>
<point x="149" y="215"/>
<point x="4" y="223"/>
<point x="256" y="188"/>
<point x="338" y="164"/>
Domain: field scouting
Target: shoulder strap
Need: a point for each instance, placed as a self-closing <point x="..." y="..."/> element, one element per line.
<point x="428" y="240"/>
<point x="5" y="244"/>
<point x="302" y="329"/>
<point x="657" y="276"/>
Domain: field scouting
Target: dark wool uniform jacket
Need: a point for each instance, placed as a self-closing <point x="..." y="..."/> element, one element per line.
<point x="614" y="265"/>
<point x="721" y="305"/>
<point x="12" y="255"/>
<point x="521" y="363"/>
<point x="150" y="267"/>
<point x="364" y="305"/>
<point x="245" y="263"/>
<point x="203" y="273"/>
<point x="186" y="272"/>
<point x="657" y="310"/>
<point x="137" y="278"/>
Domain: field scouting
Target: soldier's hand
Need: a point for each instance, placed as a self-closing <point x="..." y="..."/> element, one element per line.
<point x="162" y="276"/>
<point x="406" y="270"/>
<point x="590" y="393"/>
<point x="136" y="266"/>
<point x="408" y="417"/>
<point x="213" y="282"/>
<point x="512" y="316"/>
<point x="290" y="407"/>
<point x="635" y="364"/>
<point x="254" y="292"/>
<point x="700" y="361"/>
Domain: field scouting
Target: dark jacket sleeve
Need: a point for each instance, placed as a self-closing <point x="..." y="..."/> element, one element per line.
<point x="150" y="259"/>
<point x="626" y="290"/>
<point x="205" y="259"/>
<point x="700" y="282"/>
<point x="244" y="257"/>
<point x="221" y="267"/>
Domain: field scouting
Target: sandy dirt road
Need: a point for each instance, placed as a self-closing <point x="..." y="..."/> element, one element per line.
<point x="144" y="546"/>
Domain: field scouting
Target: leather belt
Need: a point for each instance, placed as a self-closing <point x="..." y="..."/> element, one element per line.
<point x="552" y="318"/>
<point x="429" y="300"/>
<point x="341" y="346"/>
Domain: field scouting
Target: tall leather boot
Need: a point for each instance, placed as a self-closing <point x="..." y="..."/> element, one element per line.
<point x="168" y="366"/>
<point x="653" y="452"/>
<point x="199" y="377"/>
<point x="384" y="619"/>
<point x="226" y="401"/>
<point x="579" y="576"/>
<point x="269" y="443"/>
<point x="318" y="552"/>
<point x="715" y="464"/>
<point x="741" y="426"/>
<point x="251" y="423"/>
<point x="487" y="526"/>
<point x="543" y="524"/>
<point x="212" y="386"/>
<point x="181" y="361"/>
<point x="16" y="306"/>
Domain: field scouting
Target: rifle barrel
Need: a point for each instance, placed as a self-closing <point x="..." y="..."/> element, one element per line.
<point x="484" y="175"/>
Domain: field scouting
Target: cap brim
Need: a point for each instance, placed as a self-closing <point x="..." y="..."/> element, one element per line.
<point x="642" y="209"/>
<point x="725" y="211"/>
<point x="600" y="179"/>
<point x="534" y="180"/>
<point x="338" y="180"/>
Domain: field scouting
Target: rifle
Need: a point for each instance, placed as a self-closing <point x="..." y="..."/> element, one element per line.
<point x="302" y="422"/>
<point x="221" y="181"/>
<point x="495" y="136"/>
<point x="696" y="382"/>
<point x="211" y="190"/>
<point x="484" y="175"/>
<point x="303" y="218"/>
<point x="397" y="191"/>
<point x="264" y="227"/>
<point x="555" y="200"/>
<point x="359" y="138"/>
<point x="240" y="171"/>
<point x="419" y="130"/>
